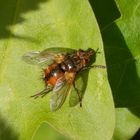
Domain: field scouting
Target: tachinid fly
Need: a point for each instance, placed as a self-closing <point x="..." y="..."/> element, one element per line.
<point x="60" y="68"/>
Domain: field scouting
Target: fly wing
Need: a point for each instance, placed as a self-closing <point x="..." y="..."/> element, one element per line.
<point x="45" y="57"/>
<point x="36" y="58"/>
<point x="58" y="50"/>
<point x="59" y="94"/>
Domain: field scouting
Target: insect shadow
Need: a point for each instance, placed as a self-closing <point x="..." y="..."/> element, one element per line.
<point x="81" y="84"/>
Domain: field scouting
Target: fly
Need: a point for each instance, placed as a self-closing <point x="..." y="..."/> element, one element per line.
<point x="60" y="71"/>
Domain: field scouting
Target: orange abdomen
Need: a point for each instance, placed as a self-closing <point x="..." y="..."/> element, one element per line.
<point x="52" y="80"/>
<point x="52" y="74"/>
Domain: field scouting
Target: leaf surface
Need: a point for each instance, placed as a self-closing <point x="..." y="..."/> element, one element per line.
<point x="35" y="26"/>
<point x="127" y="124"/>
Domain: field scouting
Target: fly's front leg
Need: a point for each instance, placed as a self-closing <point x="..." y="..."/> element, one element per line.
<point x="78" y="93"/>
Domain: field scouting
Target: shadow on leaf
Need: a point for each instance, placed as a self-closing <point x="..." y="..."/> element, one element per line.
<point x="6" y="131"/>
<point x="105" y="11"/>
<point x="137" y="135"/>
<point x="11" y="14"/>
<point x="122" y="73"/>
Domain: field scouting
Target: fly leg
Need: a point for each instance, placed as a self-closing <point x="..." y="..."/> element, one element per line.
<point x="78" y="93"/>
<point x="42" y="93"/>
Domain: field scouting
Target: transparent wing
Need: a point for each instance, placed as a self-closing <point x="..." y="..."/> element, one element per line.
<point x="45" y="57"/>
<point x="58" y="50"/>
<point x="59" y="94"/>
<point x="37" y="58"/>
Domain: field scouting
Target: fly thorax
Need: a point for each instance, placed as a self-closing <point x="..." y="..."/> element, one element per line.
<point x="68" y="65"/>
<point x="59" y="58"/>
<point x="85" y="62"/>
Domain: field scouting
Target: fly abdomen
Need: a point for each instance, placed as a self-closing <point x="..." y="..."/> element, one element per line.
<point x="52" y="77"/>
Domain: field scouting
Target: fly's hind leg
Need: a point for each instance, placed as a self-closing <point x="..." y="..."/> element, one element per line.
<point x="42" y="93"/>
<point x="78" y="93"/>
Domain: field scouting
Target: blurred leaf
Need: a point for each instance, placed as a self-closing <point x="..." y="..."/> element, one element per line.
<point x="121" y="42"/>
<point x="45" y="132"/>
<point x="122" y="49"/>
<point x="126" y="124"/>
<point x="56" y="23"/>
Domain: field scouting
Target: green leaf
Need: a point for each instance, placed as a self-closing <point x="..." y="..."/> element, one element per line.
<point x="36" y="26"/>
<point x="121" y="42"/>
<point x="45" y="132"/>
<point x="122" y="54"/>
<point x="127" y="124"/>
